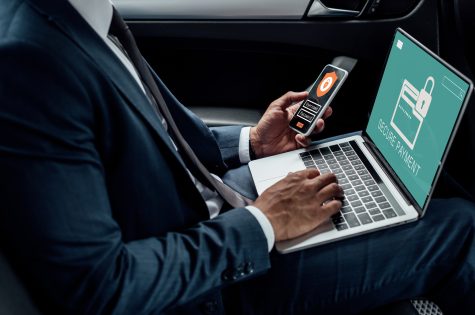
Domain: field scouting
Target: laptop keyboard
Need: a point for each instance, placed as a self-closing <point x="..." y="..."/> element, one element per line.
<point x="364" y="202"/>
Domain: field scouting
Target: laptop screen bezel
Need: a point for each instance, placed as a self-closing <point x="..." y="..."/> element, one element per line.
<point x="381" y="157"/>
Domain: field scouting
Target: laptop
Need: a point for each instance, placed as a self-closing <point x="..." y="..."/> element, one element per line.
<point x="388" y="172"/>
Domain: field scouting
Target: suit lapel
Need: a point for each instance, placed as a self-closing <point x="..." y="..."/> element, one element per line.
<point x="71" y="23"/>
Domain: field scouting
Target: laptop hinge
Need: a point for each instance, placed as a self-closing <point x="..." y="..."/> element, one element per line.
<point x="390" y="172"/>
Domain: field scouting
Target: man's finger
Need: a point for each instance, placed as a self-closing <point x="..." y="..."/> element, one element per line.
<point x="328" y="112"/>
<point x="330" y="191"/>
<point x="319" y="126"/>
<point x="290" y="98"/>
<point x="302" y="140"/>
<point x="312" y="173"/>
<point x="324" y="180"/>
<point x="332" y="207"/>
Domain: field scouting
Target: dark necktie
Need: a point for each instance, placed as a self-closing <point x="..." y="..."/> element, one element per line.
<point x="120" y="30"/>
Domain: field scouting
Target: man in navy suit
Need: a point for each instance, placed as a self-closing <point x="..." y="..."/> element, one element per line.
<point x="103" y="213"/>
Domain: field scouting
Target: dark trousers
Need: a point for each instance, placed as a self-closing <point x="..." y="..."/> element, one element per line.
<point x="434" y="257"/>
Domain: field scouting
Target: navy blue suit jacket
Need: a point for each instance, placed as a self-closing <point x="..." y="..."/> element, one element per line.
<point x="97" y="211"/>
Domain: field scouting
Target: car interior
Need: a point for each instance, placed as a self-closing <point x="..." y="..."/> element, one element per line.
<point x="227" y="60"/>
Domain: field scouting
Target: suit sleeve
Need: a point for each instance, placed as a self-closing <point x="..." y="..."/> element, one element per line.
<point x="217" y="148"/>
<point x="56" y="222"/>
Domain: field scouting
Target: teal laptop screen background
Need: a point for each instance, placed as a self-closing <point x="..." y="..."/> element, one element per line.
<point x="414" y="113"/>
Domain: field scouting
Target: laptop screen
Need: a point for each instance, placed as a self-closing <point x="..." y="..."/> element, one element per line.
<point x="414" y="114"/>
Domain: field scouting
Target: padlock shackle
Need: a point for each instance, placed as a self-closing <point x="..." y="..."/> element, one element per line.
<point x="430" y="79"/>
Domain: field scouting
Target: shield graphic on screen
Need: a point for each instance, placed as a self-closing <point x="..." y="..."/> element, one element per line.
<point x="326" y="84"/>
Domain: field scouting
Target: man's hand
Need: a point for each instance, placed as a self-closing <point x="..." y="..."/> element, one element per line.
<point x="300" y="202"/>
<point x="272" y="134"/>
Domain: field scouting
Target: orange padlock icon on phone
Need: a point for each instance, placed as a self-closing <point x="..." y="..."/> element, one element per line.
<point x="326" y="84"/>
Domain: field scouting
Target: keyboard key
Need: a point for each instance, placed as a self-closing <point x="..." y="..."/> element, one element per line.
<point x="365" y="218"/>
<point x="344" y="144"/>
<point x="343" y="181"/>
<point x="315" y="153"/>
<point x="306" y="158"/>
<point x="338" y="153"/>
<point x="366" y="177"/>
<point x="350" y="172"/>
<point x="373" y="188"/>
<point x="353" y="157"/>
<point x="346" y="210"/>
<point x="360" y="209"/>
<point x="345" y="186"/>
<point x="324" y="171"/>
<point x="335" y="147"/>
<point x="352" y="177"/>
<point x="367" y="199"/>
<point x="349" y="192"/>
<point x="356" y="182"/>
<point x="328" y="156"/>
<point x="378" y="217"/>
<point x="341" y="227"/>
<point x="352" y="220"/>
<point x="356" y="162"/>
<point x="350" y="153"/>
<point x="340" y="158"/>
<point x="343" y="163"/>
<point x="380" y="199"/>
<point x="345" y="203"/>
<point x="341" y="176"/>
<point x="376" y="193"/>
<point x="362" y="172"/>
<point x="333" y="166"/>
<point x="336" y="215"/>
<point x="320" y="161"/>
<point x="331" y="161"/>
<point x="311" y="166"/>
<point x="389" y="213"/>
<point x="346" y="149"/>
<point x="359" y="167"/>
<point x="355" y="204"/>
<point x="384" y="205"/>
<point x="338" y="171"/>
<point x="371" y="205"/>
<point x="303" y="154"/>
<point x="369" y="182"/>
<point x="363" y="193"/>
<point x="374" y="211"/>
<point x="352" y="198"/>
<point x="360" y="188"/>
<point x="318" y="158"/>
<point x="347" y="167"/>
<point x="338" y="219"/>
<point x="325" y="150"/>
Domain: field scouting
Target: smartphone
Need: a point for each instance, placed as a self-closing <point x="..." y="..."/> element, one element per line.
<point x="319" y="98"/>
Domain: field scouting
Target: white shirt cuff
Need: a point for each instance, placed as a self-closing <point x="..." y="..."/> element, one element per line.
<point x="265" y="225"/>
<point x="244" y="156"/>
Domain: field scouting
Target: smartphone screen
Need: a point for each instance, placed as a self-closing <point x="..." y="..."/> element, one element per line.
<point x="319" y="98"/>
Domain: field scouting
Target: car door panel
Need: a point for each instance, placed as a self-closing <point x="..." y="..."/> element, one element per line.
<point x="213" y="9"/>
<point x="246" y="63"/>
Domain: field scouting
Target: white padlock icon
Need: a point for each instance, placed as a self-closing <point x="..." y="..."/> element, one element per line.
<point x="425" y="98"/>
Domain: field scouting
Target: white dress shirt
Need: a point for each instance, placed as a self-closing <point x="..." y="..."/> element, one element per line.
<point x="98" y="14"/>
